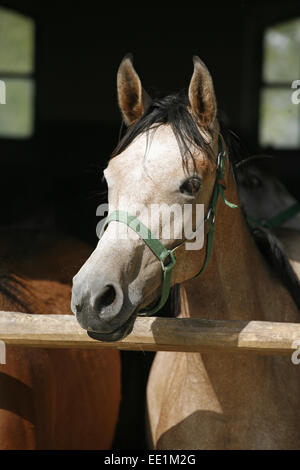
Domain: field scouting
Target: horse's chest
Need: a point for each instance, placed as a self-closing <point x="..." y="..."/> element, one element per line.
<point x="221" y="401"/>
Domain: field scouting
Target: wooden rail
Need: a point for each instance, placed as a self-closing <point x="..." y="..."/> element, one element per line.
<point x="154" y="334"/>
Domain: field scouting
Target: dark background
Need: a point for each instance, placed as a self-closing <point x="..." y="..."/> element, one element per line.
<point x="79" y="46"/>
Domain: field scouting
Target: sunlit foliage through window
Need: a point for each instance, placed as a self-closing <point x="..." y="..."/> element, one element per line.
<point x="17" y="72"/>
<point x="279" y="116"/>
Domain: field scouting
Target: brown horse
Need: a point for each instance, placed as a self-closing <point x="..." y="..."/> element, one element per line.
<point x="51" y="399"/>
<point x="169" y="155"/>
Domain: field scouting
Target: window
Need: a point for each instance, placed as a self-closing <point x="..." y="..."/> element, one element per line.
<point x="17" y="73"/>
<point x="279" y="125"/>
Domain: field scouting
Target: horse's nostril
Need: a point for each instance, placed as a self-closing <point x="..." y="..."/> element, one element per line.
<point x="106" y="298"/>
<point x="109" y="296"/>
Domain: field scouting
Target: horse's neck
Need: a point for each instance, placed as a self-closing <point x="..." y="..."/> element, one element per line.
<point x="237" y="283"/>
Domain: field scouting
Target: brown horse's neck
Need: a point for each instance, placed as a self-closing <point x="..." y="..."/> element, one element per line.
<point x="237" y="283"/>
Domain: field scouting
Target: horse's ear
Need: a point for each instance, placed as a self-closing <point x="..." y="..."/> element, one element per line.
<point x="133" y="100"/>
<point x="202" y="95"/>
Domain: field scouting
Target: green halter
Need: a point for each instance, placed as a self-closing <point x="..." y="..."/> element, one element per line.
<point x="277" y="220"/>
<point x="165" y="256"/>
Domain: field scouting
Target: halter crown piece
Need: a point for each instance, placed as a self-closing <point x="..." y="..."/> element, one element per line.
<point x="165" y="256"/>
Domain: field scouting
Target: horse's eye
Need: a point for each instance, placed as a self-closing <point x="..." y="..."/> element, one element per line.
<point x="191" y="186"/>
<point x="254" y="181"/>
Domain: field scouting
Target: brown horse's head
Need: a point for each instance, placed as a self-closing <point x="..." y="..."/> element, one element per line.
<point x="262" y="195"/>
<point x="167" y="158"/>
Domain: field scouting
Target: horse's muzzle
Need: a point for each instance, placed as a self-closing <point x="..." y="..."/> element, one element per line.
<point x="101" y="310"/>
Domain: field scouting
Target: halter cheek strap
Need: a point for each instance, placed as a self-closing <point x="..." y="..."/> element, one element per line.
<point x="210" y="217"/>
<point x="277" y="220"/>
<point x="165" y="256"/>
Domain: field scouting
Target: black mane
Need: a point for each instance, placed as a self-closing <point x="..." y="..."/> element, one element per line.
<point x="13" y="289"/>
<point x="173" y="110"/>
<point x="274" y="253"/>
<point x="15" y="244"/>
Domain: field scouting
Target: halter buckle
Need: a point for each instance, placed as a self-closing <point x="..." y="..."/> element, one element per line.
<point x="171" y="264"/>
<point x="221" y="163"/>
<point x="210" y="213"/>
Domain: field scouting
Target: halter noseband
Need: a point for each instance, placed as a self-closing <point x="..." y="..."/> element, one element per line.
<point x="165" y="256"/>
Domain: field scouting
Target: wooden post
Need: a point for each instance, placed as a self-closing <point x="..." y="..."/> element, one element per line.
<point x="154" y="334"/>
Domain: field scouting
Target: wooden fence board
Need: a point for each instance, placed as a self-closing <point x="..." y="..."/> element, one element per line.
<point x="154" y="334"/>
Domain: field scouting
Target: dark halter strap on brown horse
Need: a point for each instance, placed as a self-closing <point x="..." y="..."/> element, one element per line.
<point x="278" y="219"/>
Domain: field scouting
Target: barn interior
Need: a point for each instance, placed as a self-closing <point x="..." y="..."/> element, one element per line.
<point x="61" y="120"/>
